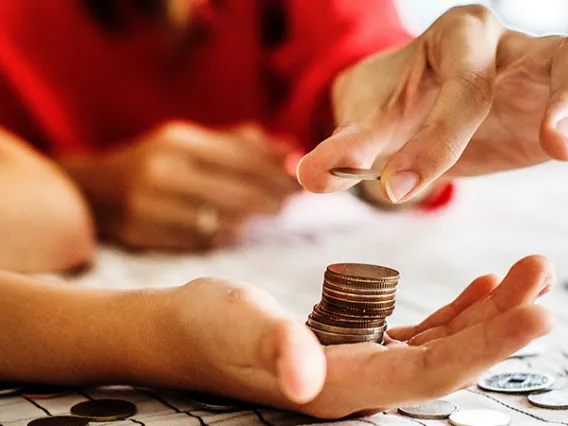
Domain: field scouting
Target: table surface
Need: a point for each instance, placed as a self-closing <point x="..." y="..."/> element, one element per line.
<point x="493" y="222"/>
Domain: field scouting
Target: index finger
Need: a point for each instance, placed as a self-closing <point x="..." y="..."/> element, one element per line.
<point x="461" y="50"/>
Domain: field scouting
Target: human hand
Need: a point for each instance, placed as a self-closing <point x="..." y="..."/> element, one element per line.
<point x="185" y="187"/>
<point x="233" y="339"/>
<point x="467" y="97"/>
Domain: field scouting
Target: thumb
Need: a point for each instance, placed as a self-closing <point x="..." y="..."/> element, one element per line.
<point x="293" y="353"/>
<point x="350" y="146"/>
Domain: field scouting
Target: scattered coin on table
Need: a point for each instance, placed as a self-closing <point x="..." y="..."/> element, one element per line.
<point x="356" y="300"/>
<point x="354" y="173"/>
<point x="515" y="382"/>
<point x="433" y="410"/>
<point x="215" y="403"/>
<point x="44" y="391"/>
<point x="10" y="388"/>
<point x="104" y="410"/>
<point x="479" y="418"/>
<point x="554" y="399"/>
<point x="60" y="421"/>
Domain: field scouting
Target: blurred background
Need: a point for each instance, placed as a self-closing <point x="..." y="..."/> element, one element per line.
<point x="538" y="17"/>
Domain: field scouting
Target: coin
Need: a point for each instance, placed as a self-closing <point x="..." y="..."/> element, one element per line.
<point x="60" y="421"/>
<point x="10" y="388"/>
<point x="215" y="403"/>
<point x="515" y="382"/>
<point x="344" y="303"/>
<point x="344" y="330"/>
<point x="104" y="410"/>
<point x="330" y="319"/>
<point x="356" y="300"/>
<point x="44" y="391"/>
<point x="347" y="294"/>
<point x="554" y="399"/>
<point x="355" y="173"/>
<point x="350" y="310"/>
<point x="363" y="271"/>
<point x="433" y="410"/>
<point x="355" y="289"/>
<point x="479" y="418"/>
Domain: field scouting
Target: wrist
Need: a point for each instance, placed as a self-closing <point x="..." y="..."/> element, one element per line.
<point x="145" y="347"/>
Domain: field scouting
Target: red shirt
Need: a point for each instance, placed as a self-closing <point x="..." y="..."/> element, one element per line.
<point x="69" y="85"/>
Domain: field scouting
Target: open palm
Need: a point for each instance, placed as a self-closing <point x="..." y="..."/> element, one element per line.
<point x="254" y="352"/>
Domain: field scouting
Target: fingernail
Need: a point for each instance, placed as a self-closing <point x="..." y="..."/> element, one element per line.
<point x="400" y="185"/>
<point x="562" y="127"/>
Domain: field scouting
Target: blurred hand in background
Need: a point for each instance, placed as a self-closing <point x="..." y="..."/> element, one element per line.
<point x="185" y="187"/>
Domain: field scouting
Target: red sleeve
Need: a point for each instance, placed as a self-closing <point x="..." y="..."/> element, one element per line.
<point x="323" y="37"/>
<point x="439" y="198"/>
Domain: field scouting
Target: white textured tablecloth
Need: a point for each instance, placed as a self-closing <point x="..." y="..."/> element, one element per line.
<point x="492" y="223"/>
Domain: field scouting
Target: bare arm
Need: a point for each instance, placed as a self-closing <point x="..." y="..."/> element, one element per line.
<point x="58" y="333"/>
<point x="233" y="339"/>
<point x="44" y="222"/>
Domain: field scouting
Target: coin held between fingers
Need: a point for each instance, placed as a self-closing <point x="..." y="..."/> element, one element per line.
<point x="355" y="173"/>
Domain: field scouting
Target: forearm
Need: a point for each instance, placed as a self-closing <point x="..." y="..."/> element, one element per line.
<point x="57" y="333"/>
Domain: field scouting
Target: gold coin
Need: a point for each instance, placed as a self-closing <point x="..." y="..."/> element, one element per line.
<point x="104" y="410"/>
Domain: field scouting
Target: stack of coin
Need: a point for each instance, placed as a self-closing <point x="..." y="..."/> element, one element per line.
<point x="356" y="300"/>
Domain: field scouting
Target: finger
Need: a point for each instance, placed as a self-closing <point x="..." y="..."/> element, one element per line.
<point x="448" y="364"/>
<point x="523" y="284"/>
<point x="554" y="127"/>
<point x="478" y="289"/>
<point x="231" y="155"/>
<point x="195" y="186"/>
<point x="300" y="362"/>
<point x="462" y="50"/>
<point x="142" y="235"/>
<point x="170" y="215"/>
<point x="256" y="138"/>
<point x="273" y="352"/>
<point x="352" y="146"/>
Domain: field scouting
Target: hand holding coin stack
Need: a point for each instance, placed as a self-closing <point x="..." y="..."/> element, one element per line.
<point x="356" y="300"/>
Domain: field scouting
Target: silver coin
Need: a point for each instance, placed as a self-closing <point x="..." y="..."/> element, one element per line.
<point x="555" y="399"/>
<point x="9" y="388"/>
<point x="355" y="173"/>
<point x="479" y="418"/>
<point x="515" y="382"/>
<point x="432" y="410"/>
<point x="215" y="403"/>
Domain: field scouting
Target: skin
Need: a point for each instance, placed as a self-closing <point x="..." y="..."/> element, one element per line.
<point x="94" y="337"/>
<point x="150" y="194"/>
<point x="416" y="110"/>
<point x="468" y="97"/>
<point x="44" y="221"/>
